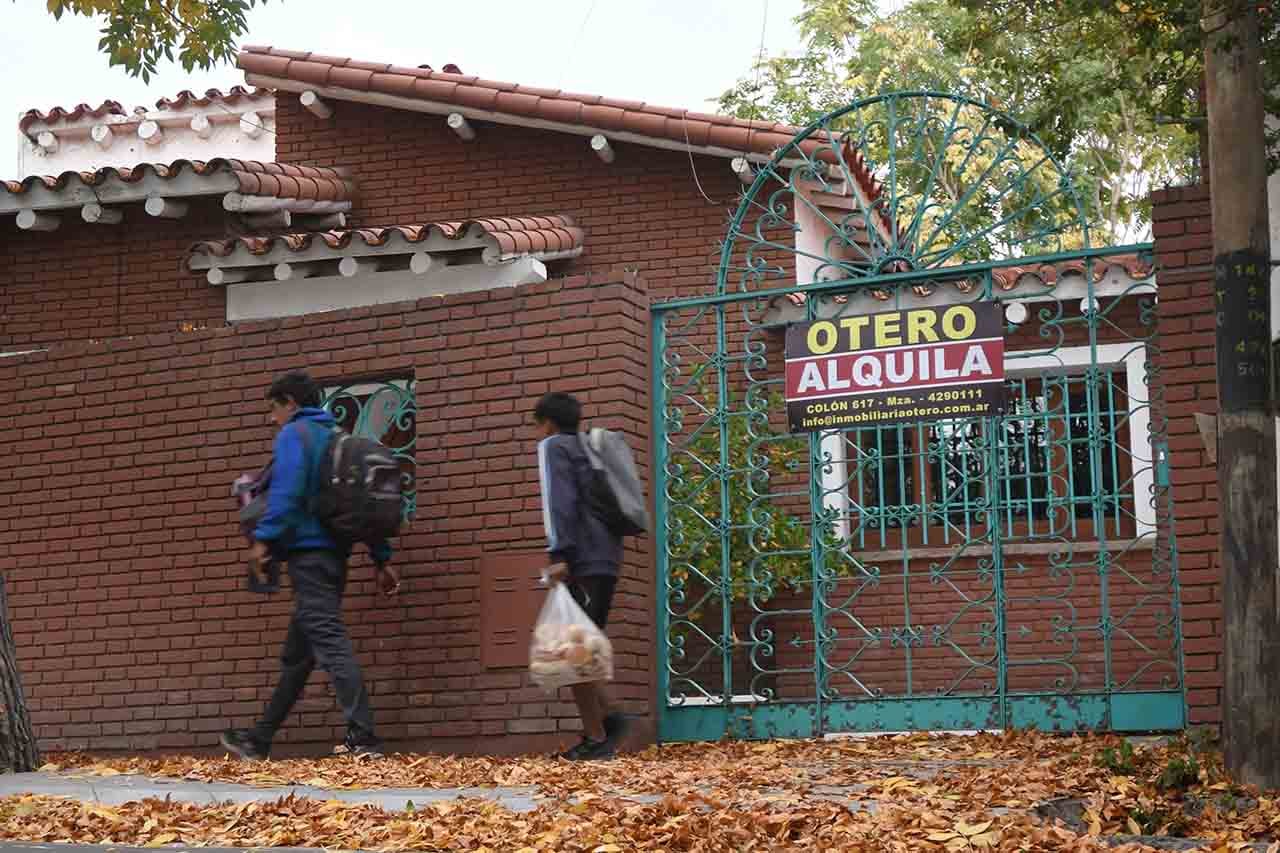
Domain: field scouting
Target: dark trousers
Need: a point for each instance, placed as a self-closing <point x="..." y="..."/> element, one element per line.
<point x="318" y="636"/>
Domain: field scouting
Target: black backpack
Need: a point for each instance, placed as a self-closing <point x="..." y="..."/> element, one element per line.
<point x="360" y="494"/>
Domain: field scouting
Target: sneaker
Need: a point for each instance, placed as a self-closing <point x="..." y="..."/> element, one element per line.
<point x="372" y="749"/>
<point x="243" y="744"/>
<point x="616" y="727"/>
<point x="589" y="750"/>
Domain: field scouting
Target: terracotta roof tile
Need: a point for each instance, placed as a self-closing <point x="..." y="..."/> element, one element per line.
<point x="517" y="103"/>
<point x="315" y="73"/>
<point x="697" y="132"/>
<point x="288" y="54"/>
<point x="376" y="67"/>
<point x="582" y="111"/>
<point x="494" y="84"/>
<point x="539" y="92"/>
<point x="432" y="90"/>
<point x="447" y="87"/>
<point x="187" y="98"/>
<point x="350" y="78"/>
<point x="393" y="84"/>
<point x="281" y="180"/>
<point x="1133" y="266"/>
<point x="329" y="60"/>
<point x="259" y="63"/>
<point x="604" y="117"/>
<point x="407" y="71"/>
<point x="512" y="237"/>
<point x="476" y="97"/>
<point x="58" y="114"/>
<point x="623" y="104"/>
<point x="1008" y="278"/>
<point x="563" y="111"/>
<point x="721" y="136"/>
<point x="649" y="124"/>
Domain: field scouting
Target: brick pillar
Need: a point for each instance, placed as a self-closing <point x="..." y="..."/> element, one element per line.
<point x="1183" y="245"/>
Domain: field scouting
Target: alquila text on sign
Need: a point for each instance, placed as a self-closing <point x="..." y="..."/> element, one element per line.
<point x="913" y="364"/>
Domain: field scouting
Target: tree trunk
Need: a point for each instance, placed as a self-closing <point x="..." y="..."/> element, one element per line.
<point x="1246" y="426"/>
<point x="18" y="752"/>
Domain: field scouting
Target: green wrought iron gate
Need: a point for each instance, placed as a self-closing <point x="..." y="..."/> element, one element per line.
<point x="1006" y="571"/>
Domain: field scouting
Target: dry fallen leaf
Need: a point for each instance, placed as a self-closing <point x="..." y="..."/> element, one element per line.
<point x="970" y="830"/>
<point x="986" y="839"/>
<point x="721" y="796"/>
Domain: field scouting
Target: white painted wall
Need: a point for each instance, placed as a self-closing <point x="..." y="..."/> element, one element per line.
<point x="270" y="299"/>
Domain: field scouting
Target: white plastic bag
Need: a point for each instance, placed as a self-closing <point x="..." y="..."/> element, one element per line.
<point x="567" y="646"/>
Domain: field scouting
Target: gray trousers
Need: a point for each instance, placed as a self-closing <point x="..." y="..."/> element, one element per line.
<point x="317" y="635"/>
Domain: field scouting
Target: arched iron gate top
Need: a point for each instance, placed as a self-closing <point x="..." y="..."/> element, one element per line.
<point x="900" y="182"/>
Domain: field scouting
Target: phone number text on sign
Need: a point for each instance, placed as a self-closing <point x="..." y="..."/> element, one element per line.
<point x="915" y="364"/>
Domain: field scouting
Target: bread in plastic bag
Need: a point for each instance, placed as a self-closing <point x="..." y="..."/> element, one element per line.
<point x="567" y="646"/>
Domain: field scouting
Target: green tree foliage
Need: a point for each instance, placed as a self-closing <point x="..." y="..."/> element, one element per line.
<point x="1076" y="78"/>
<point x="137" y="34"/>
<point x="768" y="545"/>
<point x="1162" y="42"/>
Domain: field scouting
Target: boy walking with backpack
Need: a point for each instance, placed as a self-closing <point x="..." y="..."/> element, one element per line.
<point x="291" y="530"/>
<point x="585" y="547"/>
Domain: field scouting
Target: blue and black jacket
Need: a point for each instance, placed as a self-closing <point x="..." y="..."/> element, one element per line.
<point x="575" y="535"/>
<point x="287" y="525"/>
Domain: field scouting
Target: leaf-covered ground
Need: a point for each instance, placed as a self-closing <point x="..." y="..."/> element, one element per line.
<point x="924" y="792"/>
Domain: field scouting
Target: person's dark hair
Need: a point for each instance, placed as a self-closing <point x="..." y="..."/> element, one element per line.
<point x="563" y="410"/>
<point x="296" y="385"/>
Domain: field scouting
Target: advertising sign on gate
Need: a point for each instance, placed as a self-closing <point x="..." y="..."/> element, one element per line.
<point x="915" y="364"/>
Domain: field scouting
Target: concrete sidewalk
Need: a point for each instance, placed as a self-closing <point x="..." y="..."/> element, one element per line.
<point x="115" y="790"/>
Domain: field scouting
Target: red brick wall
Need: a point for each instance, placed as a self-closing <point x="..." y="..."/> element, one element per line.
<point x="1184" y="250"/>
<point x="643" y="211"/>
<point x="105" y="281"/>
<point x="126" y="572"/>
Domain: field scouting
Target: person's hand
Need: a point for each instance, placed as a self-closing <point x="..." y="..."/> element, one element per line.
<point x="259" y="557"/>
<point x="556" y="572"/>
<point x="388" y="580"/>
<point x="261" y="553"/>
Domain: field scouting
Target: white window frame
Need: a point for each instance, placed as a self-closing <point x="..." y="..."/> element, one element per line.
<point x="1066" y="361"/>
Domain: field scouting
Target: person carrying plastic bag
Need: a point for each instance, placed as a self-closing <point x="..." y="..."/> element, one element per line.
<point x="569" y="646"/>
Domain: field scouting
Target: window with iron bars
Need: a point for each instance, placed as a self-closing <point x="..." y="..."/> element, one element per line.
<point x="1055" y="458"/>
<point x="386" y="411"/>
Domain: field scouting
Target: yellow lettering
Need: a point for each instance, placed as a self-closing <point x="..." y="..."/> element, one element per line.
<point x="854" y="326"/>
<point x="822" y="337"/>
<point x="954" y="330"/>
<point x="920" y="327"/>
<point x="888" y="334"/>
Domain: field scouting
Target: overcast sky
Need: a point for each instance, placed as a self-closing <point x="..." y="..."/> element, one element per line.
<point x="677" y="53"/>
